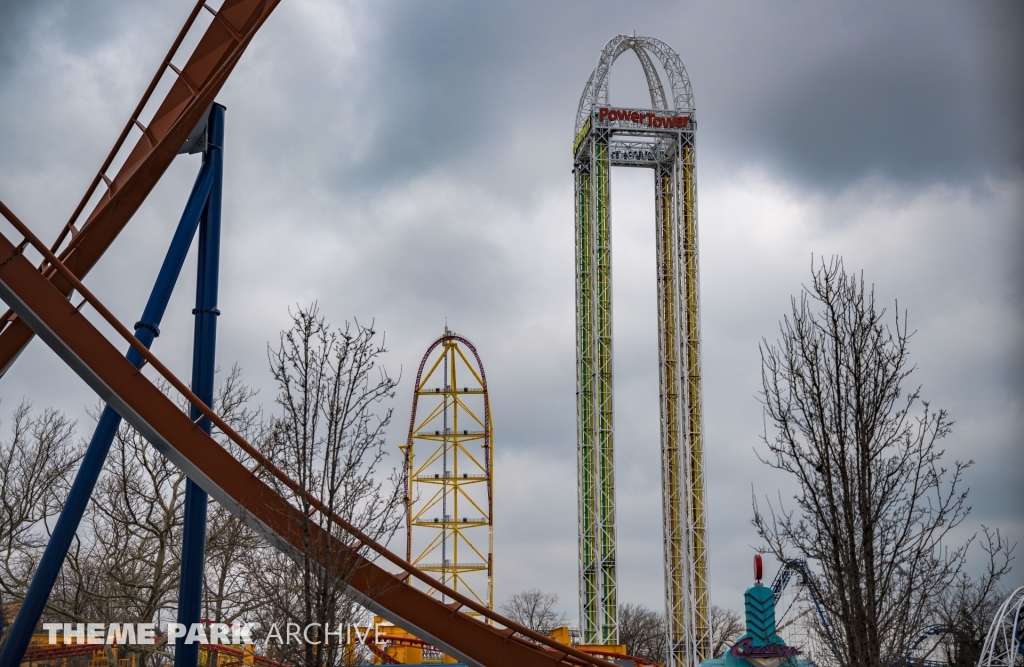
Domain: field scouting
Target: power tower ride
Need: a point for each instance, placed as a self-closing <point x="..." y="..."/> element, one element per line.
<point x="660" y="138"/>
<point x="448" y="466"/>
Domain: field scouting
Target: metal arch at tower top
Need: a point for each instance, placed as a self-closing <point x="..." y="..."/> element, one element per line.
<point x="595" y="94"/>
<point x="661" y="138"/>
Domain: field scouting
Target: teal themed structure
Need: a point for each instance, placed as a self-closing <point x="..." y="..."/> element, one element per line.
<point x="761" y="646"/>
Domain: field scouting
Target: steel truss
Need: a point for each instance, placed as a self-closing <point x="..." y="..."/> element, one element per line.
<point x="661" y="138"/>
<point x="171" y="129"/>
<point x="802" y="622"/>
<point x="449" y="491"/>
<point x="1004" y="644"/>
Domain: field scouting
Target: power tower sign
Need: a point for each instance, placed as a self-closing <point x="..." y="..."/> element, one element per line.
<point x="641" y="117"/>
<point x="662" y="139"/>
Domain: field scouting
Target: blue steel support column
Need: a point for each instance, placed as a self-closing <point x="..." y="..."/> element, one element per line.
<point x="193" y="546"/>
<point x="146" y="329"/>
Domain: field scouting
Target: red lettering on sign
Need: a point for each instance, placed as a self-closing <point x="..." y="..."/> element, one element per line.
<point x="649" y="118"/>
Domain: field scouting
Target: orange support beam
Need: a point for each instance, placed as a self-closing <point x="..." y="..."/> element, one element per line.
<point x="188" y="99"/>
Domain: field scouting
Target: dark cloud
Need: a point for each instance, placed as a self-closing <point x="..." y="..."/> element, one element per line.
<point x="14" y="18"/>
<point x="912" y="93"/>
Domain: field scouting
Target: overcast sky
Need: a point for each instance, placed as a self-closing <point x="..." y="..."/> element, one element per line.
<point x="409" y="163"/>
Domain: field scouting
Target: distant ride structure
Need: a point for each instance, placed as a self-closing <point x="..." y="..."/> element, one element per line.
<point x="761" y="645"/>
<point x="660" y="138"/>
<point x="448" y="462"/>
<point x="802" y="621"/>
<point x="1004" y="643"/>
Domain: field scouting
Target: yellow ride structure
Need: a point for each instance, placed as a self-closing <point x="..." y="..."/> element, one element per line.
<point x="660" y="138"/>
<point x="448" y="470"/>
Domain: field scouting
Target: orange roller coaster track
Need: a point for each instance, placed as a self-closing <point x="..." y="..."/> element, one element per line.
<point x="196" y="83"/>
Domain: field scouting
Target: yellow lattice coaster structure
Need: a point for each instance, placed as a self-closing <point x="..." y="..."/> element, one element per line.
<point x="448" y="470"/>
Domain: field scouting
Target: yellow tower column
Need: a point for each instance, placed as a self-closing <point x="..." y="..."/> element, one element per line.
<point x="595" y="433"/>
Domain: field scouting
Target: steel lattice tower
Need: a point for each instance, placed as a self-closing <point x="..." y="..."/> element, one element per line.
<point x="448" y="465"/>
<point x="662" y="139"/>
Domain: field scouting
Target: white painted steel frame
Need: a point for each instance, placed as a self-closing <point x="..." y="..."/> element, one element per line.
<point x="601" y="143"/>
<point x="1002" y="646"/>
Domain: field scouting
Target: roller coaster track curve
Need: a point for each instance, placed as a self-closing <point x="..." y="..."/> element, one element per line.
<point x="799" y="567"/>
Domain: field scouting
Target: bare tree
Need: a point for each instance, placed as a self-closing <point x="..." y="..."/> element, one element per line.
<point x="233" y="551"/>
<point x="536" y="610"/>
<point x="329" y="437"/>
<point x="875" y="504"/>
<point x="968" y="605"/>
<point x="643" y="631"/>
<point x="36" y="467"/>
<point x="726" y="627"/>
<point x="126" y="565"/>
<point x="136" y="516"/>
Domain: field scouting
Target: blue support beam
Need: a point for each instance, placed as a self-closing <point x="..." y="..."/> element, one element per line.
<point x="146" y="330"/>
<point x="193" y="546"/>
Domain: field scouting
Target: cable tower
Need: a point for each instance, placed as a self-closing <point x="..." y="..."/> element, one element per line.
<point x="448" y="464"/>
<point x="660" y="138"/>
